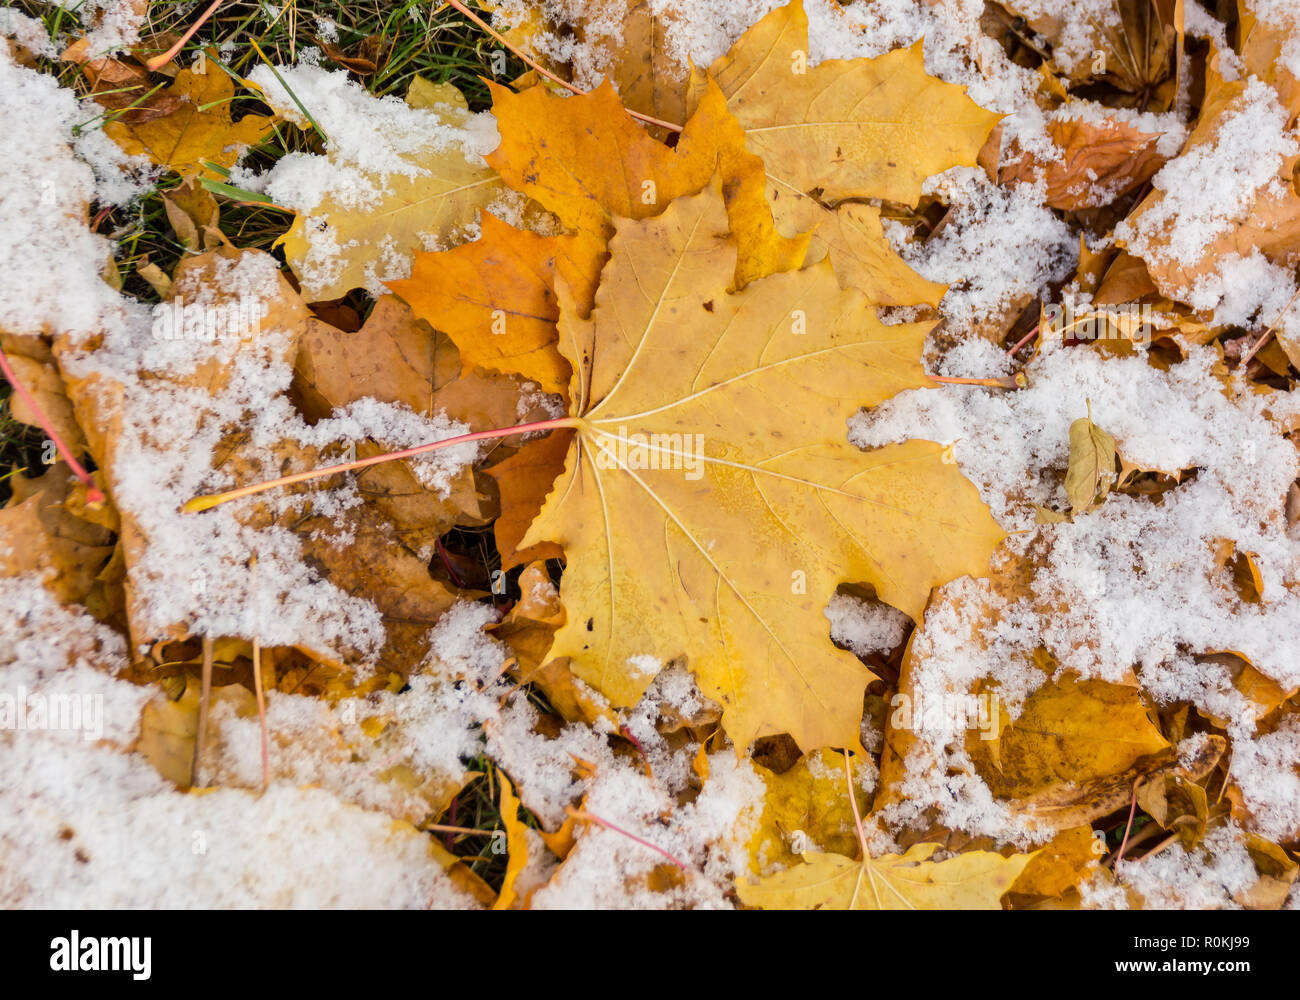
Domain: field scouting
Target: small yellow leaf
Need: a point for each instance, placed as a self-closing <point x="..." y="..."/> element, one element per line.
<point x="1092" y="465"/>
<point x="516" y="843"/>
<point x="199" y="129"/>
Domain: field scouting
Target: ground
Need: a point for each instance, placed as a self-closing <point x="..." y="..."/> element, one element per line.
<point x="223" y="259"/>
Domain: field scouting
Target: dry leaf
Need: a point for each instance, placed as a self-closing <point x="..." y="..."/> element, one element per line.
<point x="861" y="128"/>
<point x="805" y="809"/>
<point x="516" y="844"/>
<point x="34" y="365"/>
<point x="865" y="128"/>
<point x="558" y="151"/>
<point x="495" y="297"/>
<point x="729" y="555"/>
<point x="524" y="479"/>
<point x="200" y="128"/>
<point x="42" y="536"/>
<point x="1070" y="732"/>
<point x="1099" y="162"/>
<point x="1268" y="222"/>
<point x="438" y="202"/>
<point x="973" y="881"/>
<point x="1092" y="465"/>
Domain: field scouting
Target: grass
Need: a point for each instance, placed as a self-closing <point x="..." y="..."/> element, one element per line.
<point x="409" y="39"/>
<point x="413" y="38"/>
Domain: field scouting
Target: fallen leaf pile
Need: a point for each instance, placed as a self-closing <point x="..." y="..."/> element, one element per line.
<point x="609" y="629"/>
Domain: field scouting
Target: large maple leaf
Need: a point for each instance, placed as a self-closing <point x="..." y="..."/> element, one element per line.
<point x="710" y="502"/>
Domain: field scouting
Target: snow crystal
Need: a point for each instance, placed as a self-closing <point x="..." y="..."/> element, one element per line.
<point x="75" y="814"/>
<point x="866" y="627"/>
<point x="366" y="135"/>
<point x="27" y="32"/>
<point x="996" y="247"/>
<point x="47" y="248"/>
<point x="111" y="24"/>
<point x="1212" y="187"/>
<point x="1205" y="878"/>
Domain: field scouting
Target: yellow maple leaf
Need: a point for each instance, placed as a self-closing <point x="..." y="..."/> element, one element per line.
<point x="1070" y="732"/>
<point x="805" y="804"/>
<point x="199" y="129"/>
<point x="861" y="128"/>
<point x="587" y="161"/>
<point x="975" y="880"/>
<point x="710" y="502"/>
<point x="857" y="128"/>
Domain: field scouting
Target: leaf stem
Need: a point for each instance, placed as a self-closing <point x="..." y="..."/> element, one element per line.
<point x="205" y="700"/>
<point x="1129" y="825"/>
<point x="1023" y="341"/>
<point x="159" y="61"/>
<point x="592" y="818"/>
<point x="1245" y="360"/>
<point x="93" y="494"/>
<point x="201" y="503"/>
<point x="261" y="712"/>
<point x="853" y="801"/>
<point x="1017" y="381"/>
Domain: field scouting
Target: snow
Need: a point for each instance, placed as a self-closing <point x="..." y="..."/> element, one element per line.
<point x="1205" y="878"/>
<point x="45" y="244"/>
<point x="866" y="627"/>
<point x="1138" y="578"/>
<point x="92" y="825"/>
<point x="370" y="141"/>
<point x="27" y="32"/>
<point x="110" y="24"/>
<point x="1212" y="187"/>
<point x="997" y="248"/>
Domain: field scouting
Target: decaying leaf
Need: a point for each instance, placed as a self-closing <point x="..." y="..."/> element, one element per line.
<point x="34" y="365"/>
<point x="805" y="809"/>
<point x="1070" y="731"/>
<point x="516" y="844"/>
<point x="42" y="536"/>
<point x="339" y="242"/>
<point x="1181" y="248"/>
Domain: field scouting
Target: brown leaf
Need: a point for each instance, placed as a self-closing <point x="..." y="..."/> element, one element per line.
<point x="34" y="365"/>
<point x="42" y="537"/>
<point x="1100" y="161"/>
<point x="193" y="213"/>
